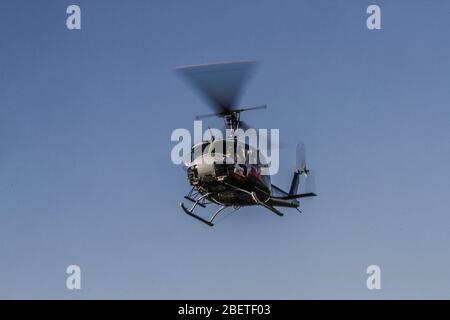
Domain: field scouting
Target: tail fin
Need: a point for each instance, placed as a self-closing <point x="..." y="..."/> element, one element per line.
<point x="295" y="182"/>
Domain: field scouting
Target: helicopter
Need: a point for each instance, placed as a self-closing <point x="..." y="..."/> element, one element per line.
<point x="220" y="171"/>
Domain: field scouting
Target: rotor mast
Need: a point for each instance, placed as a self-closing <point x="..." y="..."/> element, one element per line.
<point x="232" y="120"/>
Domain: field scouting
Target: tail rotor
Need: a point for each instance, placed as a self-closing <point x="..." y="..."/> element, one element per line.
<point x="302" y="170"/>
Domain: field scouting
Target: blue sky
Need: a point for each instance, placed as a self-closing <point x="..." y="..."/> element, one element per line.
<point x="85" y="170"/>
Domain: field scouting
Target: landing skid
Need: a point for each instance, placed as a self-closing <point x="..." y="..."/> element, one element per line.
<point x="196" y="216"/>
<point x="198" y="199"/>
<point x="201" y="200"/>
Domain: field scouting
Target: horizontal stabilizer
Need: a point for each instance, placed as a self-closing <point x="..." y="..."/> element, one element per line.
<point x="297" y="196"/>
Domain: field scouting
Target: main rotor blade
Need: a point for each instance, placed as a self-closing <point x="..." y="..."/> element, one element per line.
<point x="229" y="111"/>
<point x="220" y="83"/>
<point x="203" y="116"/>
<point x="251" y="108"/>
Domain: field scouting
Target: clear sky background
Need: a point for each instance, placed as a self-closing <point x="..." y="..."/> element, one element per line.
<point x="85" y="170"/>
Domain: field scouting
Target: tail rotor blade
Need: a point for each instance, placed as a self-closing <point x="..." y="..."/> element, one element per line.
<point x="301" y="157"/>
<point x="310" y="184"/>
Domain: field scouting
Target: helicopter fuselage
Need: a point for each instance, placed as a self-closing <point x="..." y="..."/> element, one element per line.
<point x="228" y="183"/>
